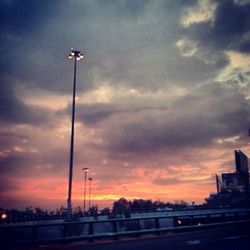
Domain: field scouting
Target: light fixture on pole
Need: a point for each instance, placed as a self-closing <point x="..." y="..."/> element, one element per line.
<point x="90" y="180"/>
<point x="76" y="55"/>
<point x="85" y="170"/>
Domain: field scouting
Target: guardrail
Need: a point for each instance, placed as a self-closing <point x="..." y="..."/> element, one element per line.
<point x="65" y="231"/>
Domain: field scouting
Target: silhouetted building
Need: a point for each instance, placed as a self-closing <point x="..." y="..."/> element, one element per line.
<point x="237" y="181"/>
<point x="241" y="162"/>
<point x="232" y="188"/>
<point x="232" y="182"/>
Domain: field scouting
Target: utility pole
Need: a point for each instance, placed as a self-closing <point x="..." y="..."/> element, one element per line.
<point x="76" y="55"/>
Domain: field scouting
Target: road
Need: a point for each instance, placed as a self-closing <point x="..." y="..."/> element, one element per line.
<point x="227" y="238"/>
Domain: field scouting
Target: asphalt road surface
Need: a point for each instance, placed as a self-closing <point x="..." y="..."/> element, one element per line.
<point x="227" y="238"/>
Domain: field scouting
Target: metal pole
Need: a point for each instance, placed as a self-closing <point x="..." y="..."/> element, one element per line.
<point x="71" y="161"/>
<point x="90" y="179"/>
<point x="84" y="199"/>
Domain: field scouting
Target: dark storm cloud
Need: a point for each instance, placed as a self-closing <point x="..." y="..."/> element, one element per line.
<point x="213" y="111"/>
<point x="142" y="53"/>
<point x="13" y="110"/>
<point x="128" y="8"/>
<point x="96" y="113"/>
<point x="148" y="136"/>
<point x="140" y="50"/>
<point x="26" y="15"/>
<point x="229" y="30"/>
<point x="30" y="50"/>
<point x="92" y="114"/>
<point x="232" y="21"/>
<point x="46" y="163"/>
<point x="22" y="62"/>
<point x="22" y="24"/>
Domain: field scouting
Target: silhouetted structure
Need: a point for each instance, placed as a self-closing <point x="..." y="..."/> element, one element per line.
<point x="232" y="188"/>
<point x="241" y="162"/>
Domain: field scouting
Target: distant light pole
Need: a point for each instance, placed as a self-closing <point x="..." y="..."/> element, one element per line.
<point x="76" y="55"/>
<point x="85" y="181"/>
<point x="90" y="180"/>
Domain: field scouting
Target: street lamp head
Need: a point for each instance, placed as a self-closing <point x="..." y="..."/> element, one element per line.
<point x="85" y="169"/>
<point x="78" y="55"/>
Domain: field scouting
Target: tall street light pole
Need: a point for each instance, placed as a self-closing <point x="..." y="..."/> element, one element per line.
<point x="90" y="180"/>
<point x="76" y="56"/>
<point x="85" y="180"/>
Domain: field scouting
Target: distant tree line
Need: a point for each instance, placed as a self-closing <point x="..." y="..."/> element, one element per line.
<point x="121" y="208"/>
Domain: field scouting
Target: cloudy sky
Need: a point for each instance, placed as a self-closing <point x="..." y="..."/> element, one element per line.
<point x="162" y="98"/>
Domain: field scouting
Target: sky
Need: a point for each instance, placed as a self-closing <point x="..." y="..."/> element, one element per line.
<point x="163" y="98"/>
